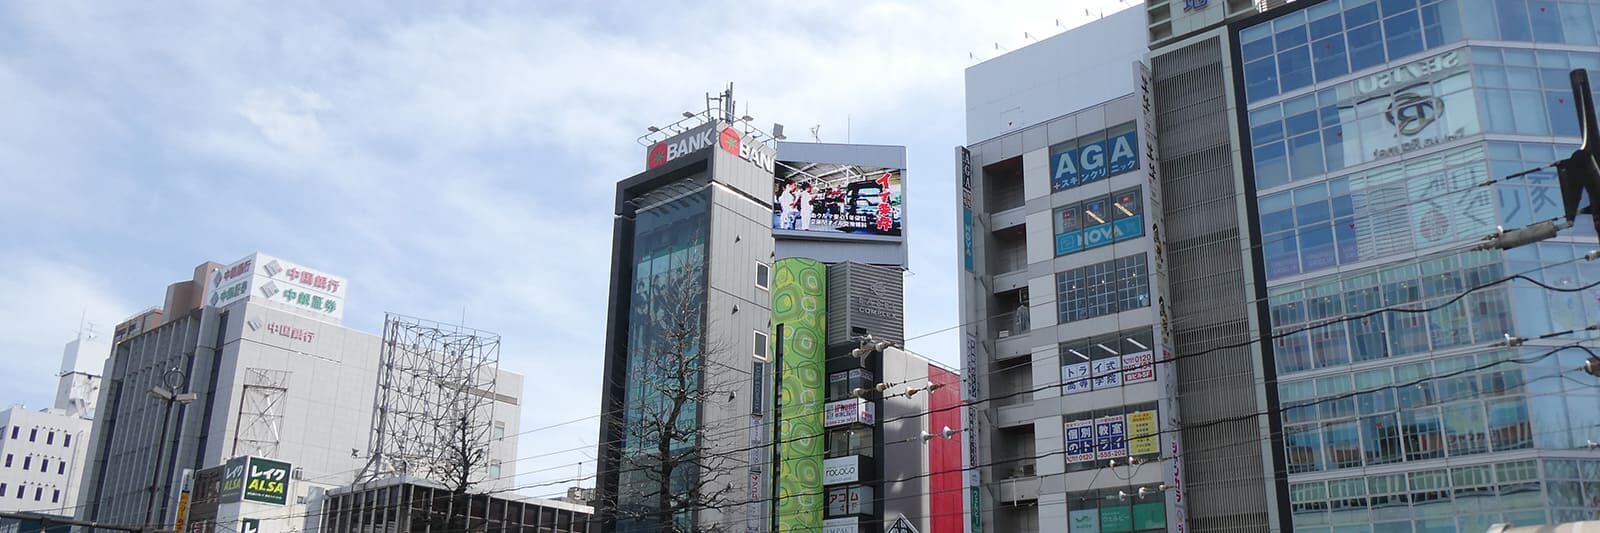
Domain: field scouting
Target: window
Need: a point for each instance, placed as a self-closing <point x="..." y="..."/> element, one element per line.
<point x="499" y="430"/>
<point x="66" y="440"/>
<point x="27" y="462"/>
<point x="849" y="500"/>
<point x="44" y="465"/>
<point x="1099" y="221"/>
<point x="14" y="432"/>
<point x="847" y="442"/>
<point x="759" y="344"/>
<point x="33" y="434"/>
<point x="840" y="384"/>
<point x="494" y="469"/>
<point x="763" y="275"/>
<point x="55" y="497"/>
<point x="61" y="467"/>
<point x="20" y="490"/>
<point x="38" y="494"/>
<point x="50" y="437"/>
<point x="8" y="460"/>
<point x="1103" y="288"/>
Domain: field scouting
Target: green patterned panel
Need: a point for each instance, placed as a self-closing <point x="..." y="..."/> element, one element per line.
<point x="799" y="293"/>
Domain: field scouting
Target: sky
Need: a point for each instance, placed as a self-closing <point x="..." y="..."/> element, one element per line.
<point x="454" y="161"/>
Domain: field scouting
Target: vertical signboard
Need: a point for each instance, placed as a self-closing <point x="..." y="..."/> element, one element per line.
<point x="799" y="295"/>
<point x="187" y="488"/>
<point x="1080" y="441"/>
<point x="970" y="393"/>
<point x="1166" y="368"/>
<point x="1111" y="437"/>
<point x="1142" y="431"/>
<point x="964" y="162"/>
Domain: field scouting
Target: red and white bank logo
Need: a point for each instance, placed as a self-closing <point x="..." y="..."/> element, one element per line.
<point x="728" y="138"/>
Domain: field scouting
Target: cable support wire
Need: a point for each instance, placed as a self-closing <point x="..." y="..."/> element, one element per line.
<point x="1368" y="314"/>
<point x="1129" y="438"/>
<point x="919" y="494"/>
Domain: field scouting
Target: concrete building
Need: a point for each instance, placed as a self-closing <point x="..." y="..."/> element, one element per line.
<point x="691" y="265"/>
<point x="43" y="450"/>
<point x="1359" y="134"/>
<point x="247" y="360"/>
<point x="1062" y="274"/>
<point x="786" y="268"/>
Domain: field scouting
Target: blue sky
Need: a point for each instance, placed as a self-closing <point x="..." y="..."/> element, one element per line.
<point x="448" y="159"/>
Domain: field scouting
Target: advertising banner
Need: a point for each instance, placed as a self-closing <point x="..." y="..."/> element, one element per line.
<point x="1116" y="519"/>
<point x="1084" y="521"/>
<point x="971" y="390"/>
<point x="823" y="199"/>
<point x="1075" y="378"/>
<point x="851" y="411"/>
<point x="1142" y="430"/>
<point x="1080" y="441"/>
<point x="267" y="481"/>
<point x="849" y="524"/>
<point x="1106" y="372"/>
<point x="1166" y="367"/>
<point x="281" y="283"/>
<point x="233" y="474"/>
<point x="1112" y="435"/>
<point x="840" y="470"/>
<point x="799" y="302"/>
<point x="964" y="160"/>
<point x="1138" y="367"/>
<point x="1093" y="158"/>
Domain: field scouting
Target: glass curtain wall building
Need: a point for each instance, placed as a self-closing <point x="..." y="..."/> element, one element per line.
<point x="1371" y="129"/>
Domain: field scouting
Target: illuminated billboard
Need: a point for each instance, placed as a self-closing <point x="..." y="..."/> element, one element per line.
<point x="824" y="199"/>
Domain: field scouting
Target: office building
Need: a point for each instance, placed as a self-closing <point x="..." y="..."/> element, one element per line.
<point x="246" y="364"/>
<point x="1064" y="324"/>
<point x="750" y="241"/>
<point x="42" y="451"/>
<point x="1361" y="138"/>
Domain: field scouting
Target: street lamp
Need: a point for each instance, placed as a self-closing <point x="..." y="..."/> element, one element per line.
<point x="165" y="392"/>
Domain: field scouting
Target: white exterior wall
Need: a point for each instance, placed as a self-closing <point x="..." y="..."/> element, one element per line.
<point x="52" y="444"/>
<point x="1053" y="77"/>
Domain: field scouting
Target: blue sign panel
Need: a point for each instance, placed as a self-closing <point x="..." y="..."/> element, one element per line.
<point x="966" y="236"/>
<point x="1069" y="242"/>
<point x="1093" y="158"/>
<point x="1123" y="157"/>
<point x="1096" y="236"/>
<point x="1128" y="227"/>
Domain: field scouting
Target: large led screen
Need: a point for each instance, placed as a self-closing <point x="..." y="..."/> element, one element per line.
<point x="838" y="199"/>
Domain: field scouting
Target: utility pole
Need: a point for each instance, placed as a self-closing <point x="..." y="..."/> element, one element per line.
<point x="1581" y="171"/>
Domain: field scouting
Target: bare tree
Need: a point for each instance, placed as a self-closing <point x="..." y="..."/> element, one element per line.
<point x="671" y="478"/>
<point x="464" y="454"/>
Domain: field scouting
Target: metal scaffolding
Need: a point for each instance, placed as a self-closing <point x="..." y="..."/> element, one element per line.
<point x="434" y="405"/>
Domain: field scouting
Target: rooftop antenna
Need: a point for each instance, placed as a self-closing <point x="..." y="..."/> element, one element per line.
<point x="815" y="136"/>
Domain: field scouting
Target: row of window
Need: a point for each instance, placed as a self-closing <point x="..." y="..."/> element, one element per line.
<point x="33" y="435"/>
<point x="1335" y="38"/>
<point x="1102" y="289"/>
<point x="44" y="464"/>
<point x="1467" y="497"/>
<point x="1527" y="91"/>
<point x="1099" y="221"/>
<point x="1361" y="120"/>
<point x="1094" y="438"/>
<point x="1481" y="316"/>
<point x="1417" y="432"/>
<point x="1107" y="361"/>
<point x="38" y="493"/>
<point x="1129" y="509"/>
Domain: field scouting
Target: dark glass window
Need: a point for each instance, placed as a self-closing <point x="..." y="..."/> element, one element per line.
<point x="1513" y="18"/>
<point x="1261" y="78"/>
<point x="1329" y="59"/>
<point x="1404" y="35"/>
<point x="1294" y="68"/>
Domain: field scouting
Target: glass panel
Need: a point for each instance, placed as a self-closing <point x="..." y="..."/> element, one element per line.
<point x="1508" y="424"/>
<point x="1465" y="428"/>
<point x="1403" y="34"/>
<point x="1261" y="78"/>
<point x="1342" y="441"/>
<point x="1294" y="67"/>
<point x="1513" y="19"/>
<point x="1365" y="45"/>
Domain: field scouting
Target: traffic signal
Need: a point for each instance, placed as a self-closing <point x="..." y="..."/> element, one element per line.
<point x="1581" y="171"/>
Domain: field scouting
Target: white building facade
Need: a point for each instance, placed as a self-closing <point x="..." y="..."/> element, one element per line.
<point x="42" y="451"/>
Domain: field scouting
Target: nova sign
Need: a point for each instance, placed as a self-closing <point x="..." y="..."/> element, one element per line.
<point x="731" y="140"/>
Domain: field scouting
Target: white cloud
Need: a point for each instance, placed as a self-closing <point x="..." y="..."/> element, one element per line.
<point x="287" y="118"/>
<point x="46" y="299"/>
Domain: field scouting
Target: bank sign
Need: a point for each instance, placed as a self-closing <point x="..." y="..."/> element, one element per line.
<point x="255" y="479"/>
<point x="287" y="284"/>
<point x="705" y="136"/>
<point x="1093" y="158"/>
